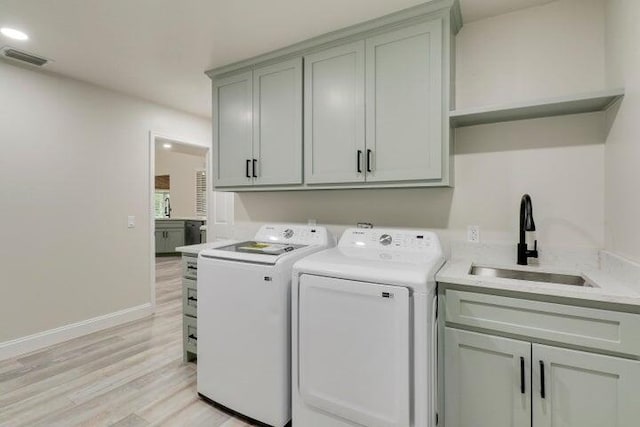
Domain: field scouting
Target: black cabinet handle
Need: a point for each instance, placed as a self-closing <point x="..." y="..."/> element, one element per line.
<point x="191" y="267"/>
<point x="253" y="169"/>
<point x="359" y="161"/>
<point x="193" y="299"/>
<point x="246" y="169"/>
<point x="193" y="337"/>
<point x="542" y="391"/>
<point x="522" y="385"/>
<point x="369" y="160"/>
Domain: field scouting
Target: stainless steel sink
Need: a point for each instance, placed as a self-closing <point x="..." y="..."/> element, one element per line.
<point x="533" y="276"/>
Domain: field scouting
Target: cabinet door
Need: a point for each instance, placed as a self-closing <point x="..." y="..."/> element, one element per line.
<point x="487" y="380"/>
<point x="583" y="389"/>
<point x="161" y="244"/>
<point x="334" y="115"/>
<point x="277" y="123"/>
<point x="175" y="238"/>
<point x="232" y="130"/>
<point x="404" y="104"/>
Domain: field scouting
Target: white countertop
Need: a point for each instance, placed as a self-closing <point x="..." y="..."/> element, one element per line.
<point x="610" y="284"/>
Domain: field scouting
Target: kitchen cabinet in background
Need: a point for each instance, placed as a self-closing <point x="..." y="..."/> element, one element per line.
<point x="173" y="233"/>
<point x="169" y="234"/>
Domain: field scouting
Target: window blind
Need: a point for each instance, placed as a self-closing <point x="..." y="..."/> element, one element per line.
<point x="201" y="193"/>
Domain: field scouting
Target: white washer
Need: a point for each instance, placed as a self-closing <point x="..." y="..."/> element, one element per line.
<point x="363" y="331"/>
<point x="244" y="320"/>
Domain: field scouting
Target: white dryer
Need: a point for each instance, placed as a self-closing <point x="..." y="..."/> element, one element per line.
<point x="364" y="331"/>
<point x="244" y="320"/>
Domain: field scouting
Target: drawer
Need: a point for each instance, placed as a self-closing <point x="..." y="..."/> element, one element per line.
<point x="190" y="334"/>
<point x="169" y="224"/>
<point x="587" y="327"/>
<point x="190" y="267"/>
<point x="189" y="297"/>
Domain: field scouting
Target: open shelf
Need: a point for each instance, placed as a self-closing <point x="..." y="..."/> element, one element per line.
<point x="583" y="103"/>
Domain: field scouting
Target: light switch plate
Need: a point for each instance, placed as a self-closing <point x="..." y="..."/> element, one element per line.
<point x="131" y="222"/>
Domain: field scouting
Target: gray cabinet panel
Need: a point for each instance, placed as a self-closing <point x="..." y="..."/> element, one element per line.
<point x="334" y="114"/>
<point x="404" y="103"/>
<point x="174" y="238"/>
<point x="583" y="389"/>
<point x="169" y="235"/>
<point x="483" y="380"/>
<point x="161" y="245"/>
<point x="232" y="129"/>
<point x="277" y="123"/>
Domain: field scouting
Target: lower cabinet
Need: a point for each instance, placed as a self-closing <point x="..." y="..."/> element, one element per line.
<point x="576" y="388"/>
<point x="169" y="235"/>
<point x="487" y="380"/>
<point x="189" y="307"/>
<point x="493" y="381"/>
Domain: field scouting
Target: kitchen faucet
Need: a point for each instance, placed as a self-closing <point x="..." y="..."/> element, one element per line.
<point x="526" y="224"/>
<point x="167" y="207"/>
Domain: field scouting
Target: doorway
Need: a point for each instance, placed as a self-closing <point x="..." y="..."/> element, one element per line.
<point x="178" y="204"/>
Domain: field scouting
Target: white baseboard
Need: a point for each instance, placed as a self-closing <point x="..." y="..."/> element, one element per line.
<point x="18" y="346"/>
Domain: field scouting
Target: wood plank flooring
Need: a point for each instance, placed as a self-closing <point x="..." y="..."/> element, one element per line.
<point x="130" y="375"/>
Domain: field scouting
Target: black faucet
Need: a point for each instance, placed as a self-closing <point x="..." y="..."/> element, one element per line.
<point x="167" y="207"/>
<point x="526" y="224"/>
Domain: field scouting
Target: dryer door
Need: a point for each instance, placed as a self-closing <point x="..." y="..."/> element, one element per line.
<point x="354" y="350"/>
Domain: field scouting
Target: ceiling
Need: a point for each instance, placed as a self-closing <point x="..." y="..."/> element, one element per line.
<point x="159" y="49"/>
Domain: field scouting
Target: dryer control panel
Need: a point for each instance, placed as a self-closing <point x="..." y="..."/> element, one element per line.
<point x="294" y="234"/>
<point x="390" y="239"/>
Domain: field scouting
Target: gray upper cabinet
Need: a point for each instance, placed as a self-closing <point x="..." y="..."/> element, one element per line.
<point x="257" y="126"/>
<point x="232" y="129"/>
<point x="376" y="100"/>
<point x="404" y="104"/>
<point x="334" y="115"/>
<point x="277" y="123"/>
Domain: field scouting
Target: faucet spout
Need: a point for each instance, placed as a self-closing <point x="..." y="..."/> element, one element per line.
<point x="526" y="224"/>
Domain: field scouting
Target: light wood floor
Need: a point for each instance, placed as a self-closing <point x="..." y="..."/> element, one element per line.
<point x="131" y="375"/>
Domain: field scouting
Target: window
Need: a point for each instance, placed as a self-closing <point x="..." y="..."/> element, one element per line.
<point x="159" y="202"/>
<point x="201" y="193"/>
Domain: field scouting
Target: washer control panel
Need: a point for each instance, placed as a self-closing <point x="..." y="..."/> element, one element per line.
<point x="294" y="234"/>
<point x="390" y="239"/>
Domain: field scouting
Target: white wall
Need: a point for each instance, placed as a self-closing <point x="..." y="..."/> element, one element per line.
<point x="74" y="163"/>
<point x="545" y="51"/>
<point x="182" y="169"/>
<point x="623" y="145"/>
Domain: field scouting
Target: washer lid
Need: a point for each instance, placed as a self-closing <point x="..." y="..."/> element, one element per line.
<point x="372" y="266"/>
<point x="408" y="258"/>
<point x="253" y="251"/>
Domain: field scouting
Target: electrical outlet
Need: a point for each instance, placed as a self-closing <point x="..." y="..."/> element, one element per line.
<point x="131" y="222"/>
<point x="473" y="233"/>
<point x="311" y="222"/>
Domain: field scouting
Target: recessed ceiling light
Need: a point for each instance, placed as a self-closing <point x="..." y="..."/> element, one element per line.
<point x="166" y="145"/>
<point x="13" y="33"/>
